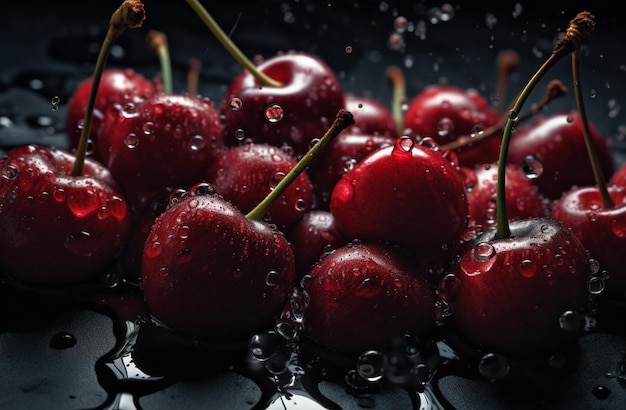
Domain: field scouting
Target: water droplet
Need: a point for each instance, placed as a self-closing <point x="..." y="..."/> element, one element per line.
<point x="571" y="321"/>
<point x="483" y="251"/>
<point x="493" y="366"/>
<point x="445" y="126"/>
<point x="62" y="340"/>
<point x="348" y="49"/>
<point x="262" y="346"/>
<point x="197" y="143"/>
<point x="400" y="24"/>
<point x="81" y="243"/>
<point x="601" y="392"/>
<point x="131" y="140"/>
<point x="153" y="249"/>
<point x="235" y="104"/>
<point x="528" y="268"/>
<point x="371" y="365"/>
<point x="272" y="278"/>
<point x="274" y="113"/>
<point x="532" y="167"/>
<point x="9" y="172"/>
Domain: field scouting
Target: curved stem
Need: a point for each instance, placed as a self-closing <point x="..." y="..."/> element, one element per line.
<point x="158" y="43"/>
<point x="394" y="74"/>
<point x="342" y="121"/>
<point x="606" y="200"/>
<point x="130" y="14"/>
<point x="223" y="38"/>
<point x="577" y="33"/>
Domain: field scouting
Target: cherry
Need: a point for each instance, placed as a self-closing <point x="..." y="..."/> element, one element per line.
<point x="58" y="229"/>
<point x="522" y="196"/>
<point x="362" y="295"/>
<point x="521" y="287"/>
<point x="117" y="88"/>
<point x="312" y="236"/>
<point x="445" y="113"/>
<point x="553" y="148"/>
<point x="292" y="114"/>
<point x="409" y="194"/>
<point x="371" y="116"/>
<point x="288" y="99"/>
<point x="209" y="270"/>
<point x="346" y="151"/>
<point x="245" y="174"/>
<point x="165" y="142"/>
<point x="596" y="214"/>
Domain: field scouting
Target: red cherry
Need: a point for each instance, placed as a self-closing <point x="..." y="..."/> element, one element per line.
<point x="371" y="116"/>
<point x="293" y="114"/>
<point x="602" y="230"/>
<point x="345" y="152"/>
<point x="117" y="88"/>
<point x="210" y="271"/>
<point x="406" y="193"/>
<point x="166" y="142"/>
<point x="363" y="295"/>
<point x="522" y="196"/>
<point x="245" y="174"/>
<point x="312" y="236"/>
<point x="619" y="176"/>
<point x="554" y="147"/>
<point x="445" y="113"/>
<point x="522" y="294"/>
<point x="58" y="229"/>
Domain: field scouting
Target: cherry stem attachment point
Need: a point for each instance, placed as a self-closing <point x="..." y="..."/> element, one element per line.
<point x="131" y="14"/>
<point x="237" y="54"/>
<point x="576" y="35"/>
<point x="343" y="120"/>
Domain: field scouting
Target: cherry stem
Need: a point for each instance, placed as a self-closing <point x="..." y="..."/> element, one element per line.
<point x="395" y="75"/>
<point x="343" y="120"/>
<point x="554" y="90"/>
<point x="577" y="33"/>
<point x="506" y="62"/>
<point x="234" y="51"/>
<point x="193" y="75"/>
<point x="131" y="14"/>
<point x="157" y="41"/>
<point x="606" y="200"/>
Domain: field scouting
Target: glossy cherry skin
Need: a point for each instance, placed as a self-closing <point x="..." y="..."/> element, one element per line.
<point x="166" y="142"/>
<point x="293" y="114"/>
<point x="58" y="229"/>
<point x="555" y="145"/>
<point x="522" y="196"/>
<point x="619" y="176"/>
<point x="117" y="88"/>
<point x="601" y="230"/>
<point x="521" y="295"/>
<point x="371" y="116"/>
<point x="408" y="194"/>
<point x="445" y="113"/>
<point x="246" y="174"/>
<point x="211" y="272"/>
<point x="346" y="150"/>
<point x="362" y="295"/>
<point x="312" y="236"/>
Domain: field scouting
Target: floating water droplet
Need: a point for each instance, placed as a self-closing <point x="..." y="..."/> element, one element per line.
<point x="532" y="166"/>
<point x="400" y="24"/>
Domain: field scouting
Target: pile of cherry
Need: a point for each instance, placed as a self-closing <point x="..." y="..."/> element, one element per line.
<point x="387" y="234"/>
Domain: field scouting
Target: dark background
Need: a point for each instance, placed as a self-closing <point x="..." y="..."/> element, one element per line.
<point x="48" y="48"/>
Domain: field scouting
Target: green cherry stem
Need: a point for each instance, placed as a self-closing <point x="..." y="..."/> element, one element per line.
<point x="605" y="198"/>
<point x="131" y="14"/>
<point x="157" y="41"/>
<point x="577" y="33"/>
<point x="342" y="121"/>
<point x="234" y="51"/>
